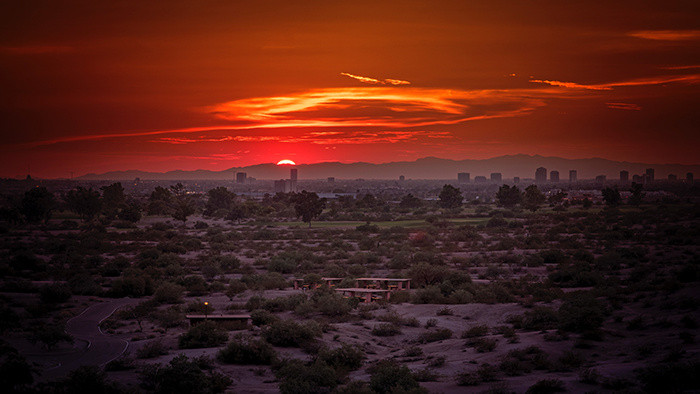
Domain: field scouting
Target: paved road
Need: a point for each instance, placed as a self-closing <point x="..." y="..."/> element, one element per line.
<point x="98" y="348"/>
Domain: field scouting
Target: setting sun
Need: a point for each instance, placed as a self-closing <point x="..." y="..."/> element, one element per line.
<point x="286" y="162"/>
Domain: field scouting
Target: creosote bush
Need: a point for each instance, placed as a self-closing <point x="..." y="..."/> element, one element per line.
<point x="243" y="349"/>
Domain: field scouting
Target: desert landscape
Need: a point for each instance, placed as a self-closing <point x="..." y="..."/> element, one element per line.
<point x="598" y="297"/>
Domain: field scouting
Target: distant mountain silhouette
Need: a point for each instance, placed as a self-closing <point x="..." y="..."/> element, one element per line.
<point x="426" y="168"/>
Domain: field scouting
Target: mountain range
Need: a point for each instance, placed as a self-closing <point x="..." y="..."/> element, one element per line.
<point x="425" y="168"/>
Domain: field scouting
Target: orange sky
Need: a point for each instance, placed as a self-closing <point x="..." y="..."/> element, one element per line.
<point x="97" y="86"/>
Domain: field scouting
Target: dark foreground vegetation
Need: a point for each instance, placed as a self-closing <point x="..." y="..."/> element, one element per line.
<point x="530" y="292"/>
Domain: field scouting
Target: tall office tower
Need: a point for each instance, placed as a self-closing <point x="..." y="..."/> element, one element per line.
<point x="573" y="176"/>
<point x="463" y="177"/>
<point x="600" y="179"/>
<point x="516" y="179"/>
<point x="241" y="177"/>
<point x="689" y="177"/>
<point x="672" y="177"/>
<point x="480" y="179"/>
<point x="496" y="177"/>
<point x="624" y="176"/>
<point x="637" y="178"/>
<point x="554" y="176"/>
<point x="293" y="180"/>
<point x="541" y="175"/>
<point x="650" y="174"/>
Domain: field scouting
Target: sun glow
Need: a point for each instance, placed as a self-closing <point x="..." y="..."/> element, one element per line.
<point x="286" y="162"/>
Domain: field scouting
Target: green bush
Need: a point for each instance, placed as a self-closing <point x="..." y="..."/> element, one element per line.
<point x="205" y="334"/>
<point x="152" y="349"/>
<point x="388" y="376"/>
<point x="475" y="331"/>
<point x="297" y="377"/>
<point x="345" y="358"/>
<point x="55" y="293"/>
<point x="580" y="313"/>
<point x="261" y="317"/>
<point x="248" y="351"/>
<point x="434" y="336"/>
<point x="288" y="333"/>
<point x="182" y="375"/>
<point x="386" y="330"/>
<point x="168" y="293"/>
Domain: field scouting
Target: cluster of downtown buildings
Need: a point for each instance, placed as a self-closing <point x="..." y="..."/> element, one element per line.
<point x="541" y="177"/>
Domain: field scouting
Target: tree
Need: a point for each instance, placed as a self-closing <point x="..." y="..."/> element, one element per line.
<point x="637" y="195"/>
<point x="508" y="196"/>
<point x="308" y="206"/>
<point x="611" y="196"/>
<point x="159" y="201"/>
<point x="112" y="199"/>
<point x="219" y="198"/>
<point x="50" y="335"/>
<point x="37" y="205"/>
<point x="533" y="198"/>
<point x="450" y="197"/>
<point x="131" y="211"/>
<point x="182" y="204"/>
<point x="84" y="202"/>
<point x="410" y="201"/>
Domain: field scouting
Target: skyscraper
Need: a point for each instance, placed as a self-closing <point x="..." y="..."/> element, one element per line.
<point x="293" y="180"/>
<point x="463" y="177"/>
<point x="573" y="176"/>
<point x="649" y="175"/>
<point x="624" y="176"/>
<point x="496" y="177"/>
<point x="672" y="177"/>
<point x="541" y="175"/>
<point x="554" y="176"/>
<point x="241" y="177"/>
<point x="600" y="179"/>
<point x="281" y="186"/>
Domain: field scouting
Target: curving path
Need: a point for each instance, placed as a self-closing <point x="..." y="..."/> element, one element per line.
<point x="100" y="349"/>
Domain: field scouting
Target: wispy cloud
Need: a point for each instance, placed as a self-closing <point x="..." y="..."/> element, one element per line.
<point x="659" y="80"/>
<point x="666" y="35"/>
<point x="625" y="106"/>
<point x="344" y="137"/>
<point x="374" y="81"/>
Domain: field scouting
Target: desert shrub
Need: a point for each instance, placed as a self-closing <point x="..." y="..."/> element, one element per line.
<point x="467" y="379"/>
<point x="569" y="361"/>
<point x="261" y="317"/>
<point x="434" y="336"/>
<point x="169" y="317"/>
<point x="431" y="323"/>
<point x="581" y="312"/>
<point x="152" y="349"/>
<point x="388" y="376"/>
<point x="445" y="311"/>
<point x="87" y="379"/>
<point x="547" y="386"/>
<point x="235" y="287"/>
<point x="168" y="293"/>
<point x="425" y="375"/>
<point x="400" y="297"/>
<point x="55" y="293"/>
<point x="205" y="334"/>
<point x="424" y="274"/>
<point x="345" y="358"/>
<point x="245" y="350"/>
<point x="266" y="281"/>
<point x="412" y="351"/>
<point x="333" y="305"/>
<point x="386" y="330"/>
<point x="524" y="360"/>
<point x="483" y="345"/>
<point x="288" y="333"/>
<point x="476" y="331"/>
<point x="297" y="377"/>
<point x="182" y="375"/>
<point x="429" y="295"/>
<point x="538" y="318"/>
<point x="195" y="285"/>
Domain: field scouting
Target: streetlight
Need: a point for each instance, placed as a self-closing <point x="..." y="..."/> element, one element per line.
<point x="206" y="309"/>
